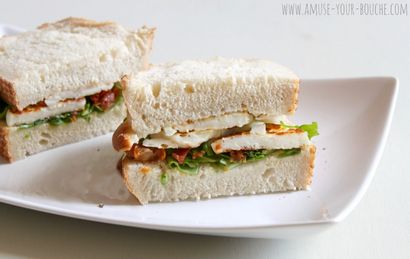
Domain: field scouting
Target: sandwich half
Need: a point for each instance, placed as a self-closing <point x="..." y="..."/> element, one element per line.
<point x="60" y="83"/>
<point x="204" y="129"/>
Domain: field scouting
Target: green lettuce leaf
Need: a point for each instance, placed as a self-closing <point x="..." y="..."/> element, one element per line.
<point x="164" y="178"/>
<point x="186" y="168"/>
<point x="221" y="161"/>
<point x="281" y="153"/>
<point x="255" y="155"/>
<point x="33" y="124"/>
<point x="311" y="129"/>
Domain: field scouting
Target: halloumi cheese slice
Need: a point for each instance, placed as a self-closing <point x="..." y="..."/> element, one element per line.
<point x="272" y="139"/>
<point x="226" y="121"/>
<point x="275" y="119"/>
<point x="18" y="118"/>
<point x="62" y="95"/>
<point x="181" y="139"/>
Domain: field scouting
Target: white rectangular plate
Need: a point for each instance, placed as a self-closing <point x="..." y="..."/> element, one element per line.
<point x="354" y="117"/>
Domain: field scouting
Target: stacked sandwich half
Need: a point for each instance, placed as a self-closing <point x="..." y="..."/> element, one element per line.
<point x="202" y="129"/>
<point x="59" y="83"/>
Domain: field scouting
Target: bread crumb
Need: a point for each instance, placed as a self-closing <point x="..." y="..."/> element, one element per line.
<point x="324" y="212"/>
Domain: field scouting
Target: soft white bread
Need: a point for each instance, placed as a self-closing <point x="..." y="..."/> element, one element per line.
<point x="177" y="93"/>
<point x="17" y="143"/>
<point x="264" y="176"/>
<point x="67" y="56"/>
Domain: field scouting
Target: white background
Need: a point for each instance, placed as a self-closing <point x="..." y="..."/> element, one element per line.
<point x="315" y="47"/>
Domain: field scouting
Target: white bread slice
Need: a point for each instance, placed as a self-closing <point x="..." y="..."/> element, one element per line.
<point x="17" y="143"/>
<point x="264" y="176"/>
<point x="177" y="93"/>
<point x="68" y="56"/>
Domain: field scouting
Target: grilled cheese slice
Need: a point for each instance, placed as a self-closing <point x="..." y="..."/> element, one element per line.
<point x="249" y="141"/>
<point x="23" y="117"/>
<point x="268" y="136"/>
<point x="226" y="121"/>
<point x="52" y="100"/>
<point x="181" y="139"/>
<point x="273" y="119"/>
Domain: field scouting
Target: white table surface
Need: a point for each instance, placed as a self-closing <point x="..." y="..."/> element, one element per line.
<point x="323" y="46"/>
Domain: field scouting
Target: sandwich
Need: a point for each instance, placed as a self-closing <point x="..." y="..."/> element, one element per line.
<point x="60" y="83"/>
<point x="204" y="129"/>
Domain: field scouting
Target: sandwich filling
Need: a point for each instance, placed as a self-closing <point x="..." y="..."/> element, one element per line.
<point x="55" y="112"/>
<point x="223" y="142"/>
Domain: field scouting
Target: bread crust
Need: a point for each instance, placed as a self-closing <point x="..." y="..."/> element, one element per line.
<point x="121" y="139"/>
<point x="4" y="142"/>
<point x="295" y="97"/>
<point x="76" y="22"/>
<point x="147" y="34"/>
<point x="312" y="151"/>
<point x="7" y="92"/>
